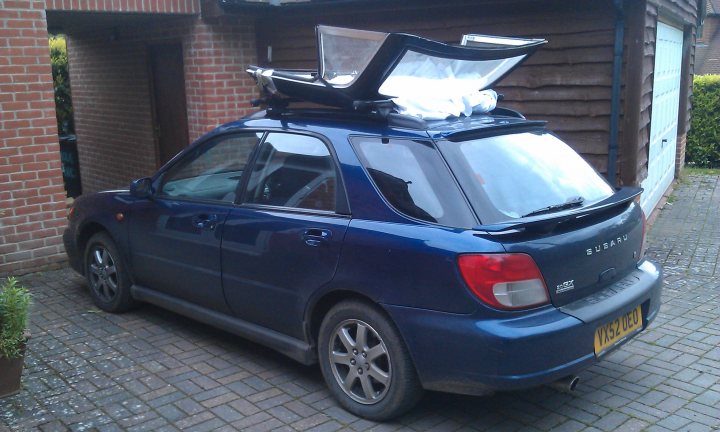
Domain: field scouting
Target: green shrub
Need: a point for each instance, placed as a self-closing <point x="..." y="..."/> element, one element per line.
<point x="14" y="304"/>
<point x="703" y="142"/>
<point x="61" y="84"/>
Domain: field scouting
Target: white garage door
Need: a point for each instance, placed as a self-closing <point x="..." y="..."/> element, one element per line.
<point x="664" y="121"/>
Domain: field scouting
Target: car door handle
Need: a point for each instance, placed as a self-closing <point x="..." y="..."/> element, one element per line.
<point x="315" y="236"/>
<point x="205" y="221"/>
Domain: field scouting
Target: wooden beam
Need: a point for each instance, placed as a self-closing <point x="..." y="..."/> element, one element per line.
<point x="634" y="56"/>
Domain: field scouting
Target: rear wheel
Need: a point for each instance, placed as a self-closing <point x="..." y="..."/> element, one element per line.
<point x="365" y="362"/>
<point x="106" y="275"/>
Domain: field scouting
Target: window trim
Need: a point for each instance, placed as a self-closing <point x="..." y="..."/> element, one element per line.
<point x="353" y="138"/>
<point x="342" y="205"/>
<point x="159" y="178"/>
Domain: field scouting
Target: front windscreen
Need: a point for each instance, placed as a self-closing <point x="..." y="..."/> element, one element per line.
<point x="520" y="174"/>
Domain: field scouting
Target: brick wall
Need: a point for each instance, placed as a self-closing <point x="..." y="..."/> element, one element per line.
<point x="111" y="95"/>
<point x="152" y="6"/>
<point x="110" y="82"/>
<point x="218" y="88"/>
<point x="32" y="198"/>
<point x="710" y="27"/>
<point x="113" y="116"/>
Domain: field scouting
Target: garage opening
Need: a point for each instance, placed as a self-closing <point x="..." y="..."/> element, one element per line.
<point x="168" y="96"/>
<point x="64" y="115"/>
<point x="129" y="111"/>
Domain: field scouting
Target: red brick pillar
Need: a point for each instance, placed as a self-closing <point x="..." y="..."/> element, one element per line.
<point x="32" y="197"/>
<point x="218" y="89"/>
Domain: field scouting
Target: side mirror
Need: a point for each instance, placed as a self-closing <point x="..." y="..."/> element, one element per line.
<point x="141" y="188"/>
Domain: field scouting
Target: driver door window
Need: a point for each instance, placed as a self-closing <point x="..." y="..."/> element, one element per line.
<point x="212" y="171"/>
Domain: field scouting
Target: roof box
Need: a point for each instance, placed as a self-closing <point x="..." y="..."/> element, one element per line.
<point x="356" y="66"/>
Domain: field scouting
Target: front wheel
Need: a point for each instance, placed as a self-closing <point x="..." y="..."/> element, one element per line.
<point x="365" y="362"/>
<point x="106" y="275"/>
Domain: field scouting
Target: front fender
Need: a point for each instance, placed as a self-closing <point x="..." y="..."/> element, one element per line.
<point x="103" y="211"/>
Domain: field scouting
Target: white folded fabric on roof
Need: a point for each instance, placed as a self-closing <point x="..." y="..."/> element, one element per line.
<point x="436" y="88"/>
<point x="439" y="107"/>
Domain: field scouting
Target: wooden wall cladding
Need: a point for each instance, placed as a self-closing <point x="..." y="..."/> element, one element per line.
<point x="567" y="82"/>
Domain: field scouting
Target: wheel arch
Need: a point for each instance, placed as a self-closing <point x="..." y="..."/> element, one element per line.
<point x="394" y="402"/>
<point x="320" y="308"/>
<point x="88" y="230"/>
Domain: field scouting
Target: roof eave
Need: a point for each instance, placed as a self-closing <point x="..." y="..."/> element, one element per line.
<point x="236" y="6"/>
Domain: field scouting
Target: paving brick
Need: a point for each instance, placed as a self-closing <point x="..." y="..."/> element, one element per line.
<point x="166" y="399"/>
<point x="170" y="413"/>
<point x="151" y="425"/>
<point x="330" y="426"/>
<point x="274" y="401"/>
<point x="712" y="420"/>
<point x="193" y="420"/>
<point x="211" y="425"/>
<point x="632" y="425"/>
<point x="283" y="414"/>
<point x="570" y="426"/>
<point x="252" y="420"/>
<point x="227" y="413"/>
<point x="310" y="422"/>
<point x="710" y="398"/>
<point x="189" y="406"/>
<point x="611" y="421"/>
<point x="656" y="428"/>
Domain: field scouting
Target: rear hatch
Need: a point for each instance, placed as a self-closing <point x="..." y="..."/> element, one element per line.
<point x="580" y="256"/>
<point x="535" y="195"/>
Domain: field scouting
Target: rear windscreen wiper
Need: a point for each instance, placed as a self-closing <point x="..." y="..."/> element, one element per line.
<point x="621" y="197"/>
<point x="570" y="203"/>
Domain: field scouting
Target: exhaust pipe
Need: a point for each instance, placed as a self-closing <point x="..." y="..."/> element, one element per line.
<point x="567" y="384"/>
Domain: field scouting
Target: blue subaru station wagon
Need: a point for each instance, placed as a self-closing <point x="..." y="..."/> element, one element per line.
<point x="401" y="230"/>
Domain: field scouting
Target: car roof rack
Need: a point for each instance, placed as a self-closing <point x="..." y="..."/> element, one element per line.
<point x="390" y="118"/>
<point x="362" y="71"/>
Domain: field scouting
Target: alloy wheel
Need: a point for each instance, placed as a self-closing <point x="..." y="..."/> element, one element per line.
<point x="360" y="361"/>
<point x="103" y="274"/>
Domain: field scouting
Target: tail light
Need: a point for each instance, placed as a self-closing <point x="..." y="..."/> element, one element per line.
<point x="504" y="281"/>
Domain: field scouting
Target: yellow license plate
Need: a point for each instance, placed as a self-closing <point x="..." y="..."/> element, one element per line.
<point x="607" y="335"/>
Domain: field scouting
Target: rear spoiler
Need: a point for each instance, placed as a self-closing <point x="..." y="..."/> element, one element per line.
<point x="548" y="222"/>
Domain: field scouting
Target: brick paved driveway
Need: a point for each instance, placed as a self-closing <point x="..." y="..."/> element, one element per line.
<point x="153" y="370"/>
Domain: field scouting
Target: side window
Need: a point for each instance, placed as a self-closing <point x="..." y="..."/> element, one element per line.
<point x="293" y="171"/>
<point x="412" y="177"/>
<point x="212" y="171"/>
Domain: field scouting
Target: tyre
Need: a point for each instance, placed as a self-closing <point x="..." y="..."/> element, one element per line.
<point x="365" y="362"/>
<point x="106" y="275"/>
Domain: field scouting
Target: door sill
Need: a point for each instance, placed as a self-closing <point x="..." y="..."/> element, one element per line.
<point x="294" y="348"/>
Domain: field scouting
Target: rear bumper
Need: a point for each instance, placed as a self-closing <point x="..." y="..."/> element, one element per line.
<point x="471" y="354"/>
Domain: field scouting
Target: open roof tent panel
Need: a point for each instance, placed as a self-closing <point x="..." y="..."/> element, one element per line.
<point x="357" y="66"/>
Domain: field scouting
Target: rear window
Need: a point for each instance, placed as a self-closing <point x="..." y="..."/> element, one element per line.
<point x="413" y="178"/>
<point x="510" y="176"/>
